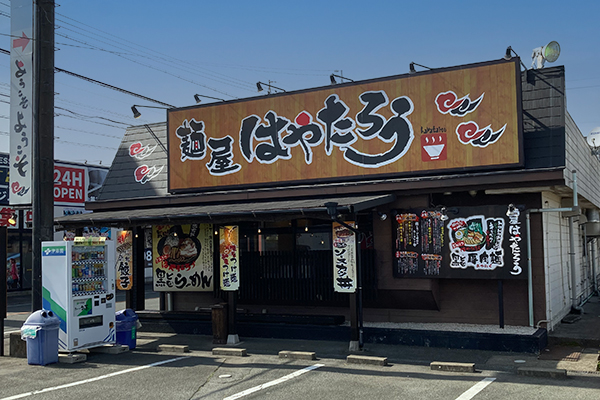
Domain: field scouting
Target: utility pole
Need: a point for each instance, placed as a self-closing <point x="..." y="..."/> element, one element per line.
<point x="43" y="143"/>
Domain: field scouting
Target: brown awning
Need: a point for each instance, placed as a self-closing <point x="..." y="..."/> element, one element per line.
<point x="223" y="213"/>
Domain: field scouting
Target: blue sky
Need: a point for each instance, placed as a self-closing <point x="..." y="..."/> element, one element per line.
<point x="170" y="51"/>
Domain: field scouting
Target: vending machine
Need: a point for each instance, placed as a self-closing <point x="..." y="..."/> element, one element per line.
<point x="78" y="285"/>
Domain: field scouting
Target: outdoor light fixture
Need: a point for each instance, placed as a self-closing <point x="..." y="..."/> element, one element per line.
<point x="137" y="114"/>
<point x="540" y="55"/>
<point x="332" y="209"/>
<point x="198" y="101"/>
<point x="508" y="56"/>
<point x="12" y="219"/>
<point x="333" y="76"/>
<point x="382" y="215"/>
<point x="412" y="67"/>
<point x="260" y="88"/>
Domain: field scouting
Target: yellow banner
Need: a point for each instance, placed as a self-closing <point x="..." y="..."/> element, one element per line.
<point x="124" y="261"/>
<point x="230" y="257"/>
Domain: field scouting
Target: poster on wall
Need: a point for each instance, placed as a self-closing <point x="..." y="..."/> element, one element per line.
<point x="460" y="243"/>
<point x="419" y="243"/>
<point x="124" y="263"/>
<point x="344" y="258"/>
<point x="182" y="257"/>
<point x="229" y="258"/>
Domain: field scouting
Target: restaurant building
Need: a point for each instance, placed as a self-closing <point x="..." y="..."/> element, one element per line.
<point x="458" y="195"/>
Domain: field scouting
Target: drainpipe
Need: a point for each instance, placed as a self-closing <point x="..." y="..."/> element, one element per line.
<point x="593" y="257"/>
<point x="574" y="303"/>
<point x="574" y="208"/>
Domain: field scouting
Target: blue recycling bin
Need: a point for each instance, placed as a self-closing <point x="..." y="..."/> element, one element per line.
<point x="40" y="330"/>
<point x="126" y="324"/>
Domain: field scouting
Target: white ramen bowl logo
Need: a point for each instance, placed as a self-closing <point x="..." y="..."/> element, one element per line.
<point x="434" y="146"/>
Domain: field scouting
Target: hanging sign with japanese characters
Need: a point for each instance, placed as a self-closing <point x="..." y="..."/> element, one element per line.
<point x="124" y="263"/>
<point x="182" y="257"/>
<point x="445" y="120"/>
<point x="21" y="101"/>
<point x="344" y="258"/>
<point x="229" y="257"/>
<point x="474" y="242"/>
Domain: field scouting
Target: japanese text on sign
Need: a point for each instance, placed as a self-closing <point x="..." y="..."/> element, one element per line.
<point x="344" y="258"/>
<point x="182" y="257"/>
<point x="124" y="261"/>
<point x="229" y="257"/>
<point x="21" y="94"/>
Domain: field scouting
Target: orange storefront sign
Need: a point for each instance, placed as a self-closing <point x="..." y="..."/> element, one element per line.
<point x="445" y="120"/>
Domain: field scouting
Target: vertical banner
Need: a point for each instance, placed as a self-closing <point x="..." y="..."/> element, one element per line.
<point x="344" y="258"/>
<point x="229" y="257"/>
<point x="124" y="263"/>
<point x="182" y="257"/>
<point x="21" y="102"/>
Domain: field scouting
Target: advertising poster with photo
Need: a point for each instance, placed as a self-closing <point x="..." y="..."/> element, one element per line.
<point x="182" y="257"/>
<point x="485" y="242"/>
<point x="344" y="258"/>
<point x="229" y="252"/>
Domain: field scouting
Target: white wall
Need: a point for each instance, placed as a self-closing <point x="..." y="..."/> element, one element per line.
<point x="557" y="262"/>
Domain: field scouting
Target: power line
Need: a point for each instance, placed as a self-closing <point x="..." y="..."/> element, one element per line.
<point x="106" y="85"/>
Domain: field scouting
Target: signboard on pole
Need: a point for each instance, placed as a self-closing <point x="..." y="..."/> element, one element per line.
<point x="70" y="185"/>
<point x="344" y="258"/>
<point x="230" y="257"/>
<point x="21" y="102"/>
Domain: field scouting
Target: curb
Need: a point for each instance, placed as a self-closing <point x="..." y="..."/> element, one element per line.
<point x="543" y="372"/>
<point x="452" y="366"/>
<point x="174" y="348"/>
<point x="223" y="351"/>
<point x="370" y="360"/>
<point x="298" y="355"/>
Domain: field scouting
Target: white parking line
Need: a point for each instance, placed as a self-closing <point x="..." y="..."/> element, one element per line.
<point x="479" y="386"/>
<point x="272" y="383"/>
<point x="20" y="396"/>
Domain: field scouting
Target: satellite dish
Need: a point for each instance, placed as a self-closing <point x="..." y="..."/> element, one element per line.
<point x="551" y="51"/>
<point x="593" y="138"/>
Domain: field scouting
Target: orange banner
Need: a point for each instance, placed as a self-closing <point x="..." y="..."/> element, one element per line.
<point x="451" y="119"/>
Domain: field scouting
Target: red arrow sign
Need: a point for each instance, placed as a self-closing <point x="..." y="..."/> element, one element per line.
<point x="22" y="42"/>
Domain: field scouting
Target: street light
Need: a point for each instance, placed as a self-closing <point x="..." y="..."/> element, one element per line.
<point x="137" y="114"/>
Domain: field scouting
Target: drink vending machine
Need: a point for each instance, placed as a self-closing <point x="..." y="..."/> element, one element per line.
<point x="78" y="285"/>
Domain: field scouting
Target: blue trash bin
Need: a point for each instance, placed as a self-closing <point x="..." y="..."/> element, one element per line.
<point x="126" y="326"/>
<point x="40" y="330"/>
